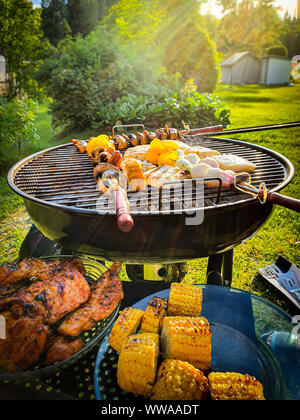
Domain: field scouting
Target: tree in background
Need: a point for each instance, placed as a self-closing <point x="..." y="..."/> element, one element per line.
<point x="104" y="6"/>
<point x="248" y="25"/>
<point x="290" y="34"/>
<point x="62" y="17"/>
<point x="174" y="28"/>
<point x="83" y="16"/>
<point x="55" y="20"/>
<point x="20" y="44"/>
<point x="136" y="20"/>
<point x="187" y="46"/>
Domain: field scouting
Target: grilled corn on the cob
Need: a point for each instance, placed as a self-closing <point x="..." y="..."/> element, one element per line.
<point x="185" y="300"/>
<point x="234" y="386"/>
<point x="154" y="314"/>
<point x="187" y="339"/>
<point x="177" y="380"/>
<point x="137" y="364"/>
<point x="127" y="323"/>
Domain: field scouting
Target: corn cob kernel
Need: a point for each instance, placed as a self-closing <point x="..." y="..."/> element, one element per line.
<point x="135" y="176"/>
<point x="185" y="300"/>
<point x="126" y="324"/>
<point x="154" y="314"/>
<point x="187" y="339"/>
<point x="234" y="386"/>
<point x="177" y="380"/>
<point x="137" y="364"/>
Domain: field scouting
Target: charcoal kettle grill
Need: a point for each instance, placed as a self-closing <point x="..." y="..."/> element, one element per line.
<point x="64" y="203"/>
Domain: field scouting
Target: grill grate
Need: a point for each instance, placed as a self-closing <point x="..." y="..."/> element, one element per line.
<point x="62" y="176"/>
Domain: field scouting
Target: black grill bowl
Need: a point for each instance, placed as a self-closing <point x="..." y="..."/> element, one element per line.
<point x="61" y="197"/>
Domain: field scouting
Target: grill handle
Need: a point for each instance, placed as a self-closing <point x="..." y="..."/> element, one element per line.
<point x="281" y="200"/>
<point x="110" y="179"/>
<point x="218" y="130"/>
<point x="125" y="221"/>
<point x="264" y="195"/>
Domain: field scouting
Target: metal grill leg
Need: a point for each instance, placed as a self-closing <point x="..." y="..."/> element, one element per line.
<point x="219" y="269"/>
<point x="227" y="267"/>
<point x="214" y="270"/>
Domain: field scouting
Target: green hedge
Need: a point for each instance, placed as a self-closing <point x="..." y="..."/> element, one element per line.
<point x="277" y="50"/>
<point x="198" y="110"/>
<point x="100" y="81"/>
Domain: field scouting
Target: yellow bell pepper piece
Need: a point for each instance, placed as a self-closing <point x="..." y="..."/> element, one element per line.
<point x="168" y="159"/>
<point x="163" y="152"/>
<point x="170" y="145"/>
<point x="156" y="149"/>
<point x="95" y="143"/>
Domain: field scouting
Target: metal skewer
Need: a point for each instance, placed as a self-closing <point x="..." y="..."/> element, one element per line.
<point x="218" y="130"/>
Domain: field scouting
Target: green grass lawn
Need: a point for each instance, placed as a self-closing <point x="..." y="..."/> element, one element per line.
<point x="250" y="106"/>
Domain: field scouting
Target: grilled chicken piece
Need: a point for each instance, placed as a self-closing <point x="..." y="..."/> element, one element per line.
<point x="28" y="268"/>
<point x="235" y="163"/>
<point x="26" y="335"/>
<point x="12" y="289"/>
<point x="160" y="175"/>
<point x="106" y="293"/>
<point x="202" y="152"/>
<point x="56" y="297"/>
<point x="61" y="348"/>
<point x="34" y="268"/>
<point x="138" y="152"/>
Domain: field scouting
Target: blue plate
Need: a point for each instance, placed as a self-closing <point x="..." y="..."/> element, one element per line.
<point x="238" y="321"/>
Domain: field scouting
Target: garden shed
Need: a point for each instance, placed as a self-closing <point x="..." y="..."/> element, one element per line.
<point x="2" y="69"/>
<point x="275" y="70"/>
<point x="241" y="68"/>
<point x="3" y="75"/>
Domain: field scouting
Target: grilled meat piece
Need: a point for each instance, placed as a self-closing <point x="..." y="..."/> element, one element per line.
<point x="57" y="296"/>
<point x="106" y="293"/>
<point x="142" y="139"/>
<point x="138" y="152"/>
<point x="78" y="264"/>
<point x="235" y="163"/>
<point x="26" y="335"/>
<point x="158" y="176"/>
<point x="34" y="268"/>
<point x="116" y="159"/>
<point x="12" y="289"/>
<point x="61" y="348"/>
<point x="80" y="144"/>
<point x="28" y="268"/>
<point x="133" y="141"/>
<point x="120" y="142"/>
